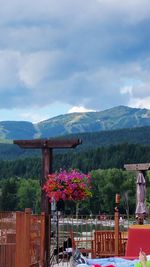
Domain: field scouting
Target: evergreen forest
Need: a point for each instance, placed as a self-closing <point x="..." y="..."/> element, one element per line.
<point x="20" y="179"/>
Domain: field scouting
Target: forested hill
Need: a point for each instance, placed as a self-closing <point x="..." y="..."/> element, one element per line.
<point x="90" y="141"/>
<point x="114" y="156"/>
<point x="111" y="119"/>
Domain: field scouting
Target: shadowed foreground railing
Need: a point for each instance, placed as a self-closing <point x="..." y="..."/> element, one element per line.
<point x="22" y="239"/>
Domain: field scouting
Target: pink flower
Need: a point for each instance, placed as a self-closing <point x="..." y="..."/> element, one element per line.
<point x="68" y="185"/>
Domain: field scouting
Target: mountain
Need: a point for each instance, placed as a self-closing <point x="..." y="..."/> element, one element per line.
<point x="16" y="130"/>
<point x="111" y="119"/>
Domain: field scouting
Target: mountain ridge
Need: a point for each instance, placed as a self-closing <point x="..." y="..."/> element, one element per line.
<point x="119" y="117"/>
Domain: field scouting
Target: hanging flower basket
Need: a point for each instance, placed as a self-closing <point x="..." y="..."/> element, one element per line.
<point x="65" y="185"/>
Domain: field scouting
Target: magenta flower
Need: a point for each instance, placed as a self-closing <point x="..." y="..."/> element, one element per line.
<point x="65" y="185"/>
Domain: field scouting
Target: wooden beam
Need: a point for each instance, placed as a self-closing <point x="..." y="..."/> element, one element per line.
<point x="137" y="167"/>
<point x="46" y="143"/>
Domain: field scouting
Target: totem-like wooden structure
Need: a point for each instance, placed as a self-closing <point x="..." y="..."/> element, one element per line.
<point x="47" y="146"/>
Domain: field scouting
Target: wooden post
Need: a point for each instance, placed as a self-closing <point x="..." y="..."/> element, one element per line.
<point x="116" y="232"/>
<point x="47" y="146"/>
<point x="23" y="238"/>
<point x="42" y="241"/>
<point x="117" y="200"/>
<point x="20" y="239"/>
<point x="46" y="169"/>
<point x="27" y="218"/>
<point x="45" y="205"/>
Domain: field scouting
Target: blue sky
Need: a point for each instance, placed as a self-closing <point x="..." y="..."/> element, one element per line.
<point x="60" y="56"/>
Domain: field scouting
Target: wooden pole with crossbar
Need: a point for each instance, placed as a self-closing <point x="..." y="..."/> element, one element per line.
<point x="47" y="146"/>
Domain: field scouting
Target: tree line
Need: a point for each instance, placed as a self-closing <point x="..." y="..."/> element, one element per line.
<point x="92" y="140"/>
<point x="20" y="178"/>
<point x="20" y="193"/>
<point x="113" y="156"/>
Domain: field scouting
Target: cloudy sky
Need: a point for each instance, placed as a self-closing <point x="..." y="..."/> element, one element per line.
<point x="59" y="56"/>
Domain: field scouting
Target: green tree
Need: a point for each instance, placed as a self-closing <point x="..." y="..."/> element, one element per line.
<point x="105" y="184"/>
<point x="29" y="195"/>
<point x="9" y="198"/>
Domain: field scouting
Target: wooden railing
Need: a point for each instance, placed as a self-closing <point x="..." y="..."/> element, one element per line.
<point x="104" y="244"/>
<point x="100" y="236"/>
<point x="7" y="239"/>
<point x="22" y="239"/>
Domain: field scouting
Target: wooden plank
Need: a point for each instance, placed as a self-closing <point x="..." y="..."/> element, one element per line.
<point x="27" y="219"/>
<point x="42" y="240"/>
<point x="137" y="167"/>
<point x="20" y="249"/>
<point x="43" y="143"/>
<point x="7" y="255"/>
<point x="117" y="233"/>
<point x="138" y="226"/>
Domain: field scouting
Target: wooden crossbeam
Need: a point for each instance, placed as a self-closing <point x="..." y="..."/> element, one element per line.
<point x="137" y="167"/>
<point x="46" y="143"/>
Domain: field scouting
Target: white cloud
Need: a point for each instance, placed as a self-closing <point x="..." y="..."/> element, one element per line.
<point x="34" y="117"/>
<point x="37" y="67"/>
<point x="140" y="103"/>
<point x="89" y="54"/>
<point x="9" y="65"/>
<point x="130" y="12"/>
<point x="79" y="109"/>
<point x="126" y="90"/>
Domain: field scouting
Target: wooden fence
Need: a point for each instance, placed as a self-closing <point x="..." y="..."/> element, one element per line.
<point x="22" y="239"/>
<point x="95" y="236"/>
<point x="7" y="239"/>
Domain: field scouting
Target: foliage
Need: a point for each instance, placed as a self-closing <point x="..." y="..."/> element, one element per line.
<point x="139" y="136"/>
<point x="105" y="185"/>
<point x="114" y="156"/>
<point x="29" y="195"/>
<point x="17" y="194"/>
<point x="8" y="198"/>
<point x="65" y="185"/>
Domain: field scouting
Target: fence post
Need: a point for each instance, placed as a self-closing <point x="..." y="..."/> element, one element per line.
<point x="42" y="241"/>
<point x="117" y="200"/>
<point x="27" y="218"/>
<point x="116" y="232"/>
<point x="20" y="251"/>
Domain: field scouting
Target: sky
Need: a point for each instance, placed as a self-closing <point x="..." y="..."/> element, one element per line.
<point x="61" y="56"/>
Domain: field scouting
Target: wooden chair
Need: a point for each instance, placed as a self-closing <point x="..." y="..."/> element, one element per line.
<point x="104" y="244"/>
